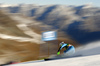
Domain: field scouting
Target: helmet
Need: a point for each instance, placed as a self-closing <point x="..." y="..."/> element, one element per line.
<point x="61" y="43"/>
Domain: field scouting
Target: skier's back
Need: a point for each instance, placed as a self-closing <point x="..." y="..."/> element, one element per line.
<point x="69" y="49"/>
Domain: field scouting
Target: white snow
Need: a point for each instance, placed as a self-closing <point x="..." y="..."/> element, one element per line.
<point x="19" y="39"/>
<point x="77" y="61"/>
<point x="8" y="5"/>
<point x="88" y="49"/>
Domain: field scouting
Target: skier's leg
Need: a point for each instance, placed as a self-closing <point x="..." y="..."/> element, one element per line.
<point x="69" y="51"/>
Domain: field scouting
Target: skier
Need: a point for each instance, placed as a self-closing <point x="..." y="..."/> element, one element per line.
<point x="69" y="49"/>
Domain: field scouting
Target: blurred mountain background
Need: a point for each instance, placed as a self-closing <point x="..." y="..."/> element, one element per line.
<point x="21" y="27"/>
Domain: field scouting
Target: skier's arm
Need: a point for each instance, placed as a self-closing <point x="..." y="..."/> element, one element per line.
<point x="59" y="49"/>
<point x="58" y="52"/>
<point x="62" y="47"/>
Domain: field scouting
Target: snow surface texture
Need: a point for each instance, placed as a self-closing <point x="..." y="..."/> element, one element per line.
<point x="77" y="61"/>
<point x="92" y="48"/>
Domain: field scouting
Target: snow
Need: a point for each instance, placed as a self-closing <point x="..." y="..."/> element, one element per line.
<point x="88" y="49"/>
<point x="8" y="5"/>
<point x="76" y="61"/>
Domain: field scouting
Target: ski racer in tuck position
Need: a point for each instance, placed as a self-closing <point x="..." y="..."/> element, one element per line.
<point x="69" y="49"/>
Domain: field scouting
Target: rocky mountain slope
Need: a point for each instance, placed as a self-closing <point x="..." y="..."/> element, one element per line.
<point x="20" y="39"/>
<point x="81" y="23"/>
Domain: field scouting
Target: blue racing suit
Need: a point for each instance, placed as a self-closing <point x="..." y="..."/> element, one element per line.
<point x="67" y="46"/>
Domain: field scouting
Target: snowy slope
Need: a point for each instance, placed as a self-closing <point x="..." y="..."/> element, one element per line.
<point x="77" y="61"/>
<point x="84" y="60"/>
<point x="88" y="49"/>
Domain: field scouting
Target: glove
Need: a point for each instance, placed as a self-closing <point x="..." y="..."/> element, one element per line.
<point x="58" y="53"/>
